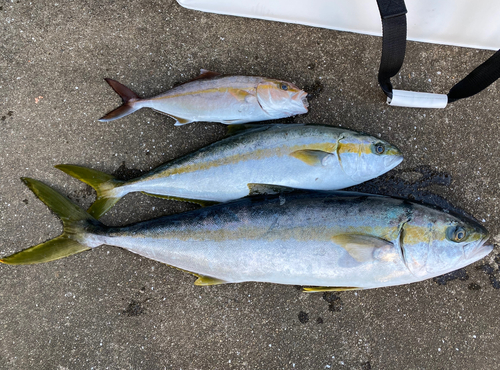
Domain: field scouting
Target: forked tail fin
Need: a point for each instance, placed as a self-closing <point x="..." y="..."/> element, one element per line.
<point x="76" y="223"/>
<point x="129" y="98"/>
<point x="103" y="184"/>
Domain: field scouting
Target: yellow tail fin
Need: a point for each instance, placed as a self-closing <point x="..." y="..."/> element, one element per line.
<point x="100" y="181"/>
<point x="76" y="224"/>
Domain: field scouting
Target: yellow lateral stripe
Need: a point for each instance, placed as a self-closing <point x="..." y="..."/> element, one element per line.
<point x="259" y="154"/>
<point x="304" y="234"/>
<point x="354" y="148"/>
<point x="232" y="90"/>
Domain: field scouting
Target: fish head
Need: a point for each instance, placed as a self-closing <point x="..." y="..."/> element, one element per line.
<point x="433" y="242"/>
<point x="364" y="157"/>
<point x="281" y="99"/>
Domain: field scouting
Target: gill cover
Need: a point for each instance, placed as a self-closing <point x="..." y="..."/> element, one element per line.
<point x="281" y="99"/>
<point x="364" y="157"/>
<point x="435" y="243"/>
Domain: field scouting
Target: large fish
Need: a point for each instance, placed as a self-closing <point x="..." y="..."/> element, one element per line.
<point x="214" y="98"/>
<point x="322" y="240"/>
<point x="298" y="156"/>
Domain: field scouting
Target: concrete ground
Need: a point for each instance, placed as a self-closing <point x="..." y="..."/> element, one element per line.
<point x="111" y="309"/>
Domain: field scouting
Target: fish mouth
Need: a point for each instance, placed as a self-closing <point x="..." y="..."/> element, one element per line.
<point x="302" y="97"/>
<point x="481" y="250"/>
<point x="392" y="161"/>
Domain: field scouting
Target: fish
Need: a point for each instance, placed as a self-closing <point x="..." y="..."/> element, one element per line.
<point x="255" y="159"/>
<point x="211" y="97"/>
<point x="323" y="241"/>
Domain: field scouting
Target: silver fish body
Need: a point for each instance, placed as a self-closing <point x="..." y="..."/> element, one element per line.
<point x="314" y="239"/>
<point x="299" y="156"/>
<point x="325" y="240"/>
<point x="224" y="99"/>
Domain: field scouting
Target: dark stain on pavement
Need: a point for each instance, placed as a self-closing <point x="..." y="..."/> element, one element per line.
<point x="412" y="184"/>
<point x="313" y="90"/>
<point x="366" y="366"/>
<point x="494" y="276"/>
<point x="474" y="286"/>
<point x="134" y="309"/>
<point x="336" y="304"/>
<point x="454" y="275"/>
<point x="303" y="317"/>
<point x="490" y="271"/>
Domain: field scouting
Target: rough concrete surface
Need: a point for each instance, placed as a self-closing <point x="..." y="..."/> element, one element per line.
<point x="111" y="309"/>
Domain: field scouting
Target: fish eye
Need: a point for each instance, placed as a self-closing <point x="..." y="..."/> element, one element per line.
<point x="379" y="149"/>
<point x="284" y="87"/>
<point x="457" y="234"/>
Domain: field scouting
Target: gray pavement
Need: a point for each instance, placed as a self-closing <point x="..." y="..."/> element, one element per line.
<point x="111" y="309"/>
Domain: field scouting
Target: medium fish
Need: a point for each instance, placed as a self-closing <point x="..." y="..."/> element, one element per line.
<point x="214" y="98"/>
<point x="327" y="241"/>
<point x="299" y="156"/>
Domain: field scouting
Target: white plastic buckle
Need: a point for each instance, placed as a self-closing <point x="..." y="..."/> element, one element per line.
<point x="413" y="99"/>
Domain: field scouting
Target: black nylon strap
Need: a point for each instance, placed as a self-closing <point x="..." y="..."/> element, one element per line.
<point x="476" y="81"/>
<point x="393" y="14"/>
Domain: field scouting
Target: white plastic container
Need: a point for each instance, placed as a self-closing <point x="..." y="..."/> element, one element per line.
<point x="467" y="23"/>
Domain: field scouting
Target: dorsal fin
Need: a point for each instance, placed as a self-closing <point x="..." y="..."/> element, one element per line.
<point x="204" y="74"/>
<point x="235" y="129"/>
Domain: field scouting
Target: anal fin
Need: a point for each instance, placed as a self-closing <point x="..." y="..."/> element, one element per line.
<point x="207" y="280"/>
<point x="316" y="289"/>
<point x="202" y="279"/>
<point x="203" y="203"/>
<point x="179" y="121"/>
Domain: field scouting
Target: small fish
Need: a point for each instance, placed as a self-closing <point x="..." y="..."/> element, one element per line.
<point x="322" y="240"/>
<point x="211" y="97"/>
<point x="260" y="159"/>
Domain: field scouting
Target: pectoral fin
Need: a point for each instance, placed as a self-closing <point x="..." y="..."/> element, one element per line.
<point x="207" y="280"/>
<point x="268" y="189"/>
<point x="203" y="203"/>
<point x="312" y="157"/>
<point x="315" y="289"/>
<point x="240" y="95"/>
<point x="361" y="247"/>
